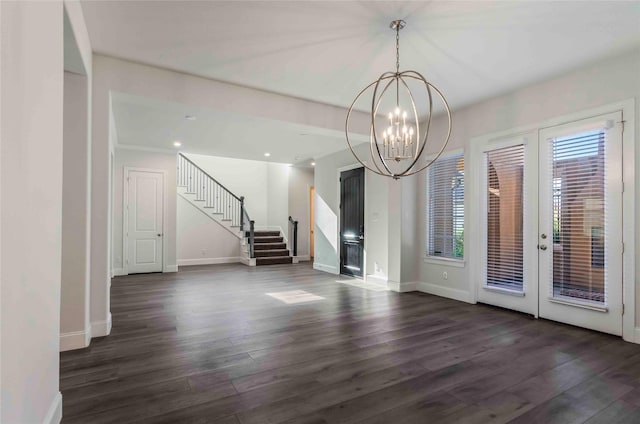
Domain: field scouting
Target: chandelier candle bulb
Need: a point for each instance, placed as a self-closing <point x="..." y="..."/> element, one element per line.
<point x="399" y="155"/>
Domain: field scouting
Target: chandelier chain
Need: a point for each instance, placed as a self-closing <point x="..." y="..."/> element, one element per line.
<point x="398" y="49"/>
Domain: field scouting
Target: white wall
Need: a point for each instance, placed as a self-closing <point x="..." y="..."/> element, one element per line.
<point x="248" y="178"/>
<point x="300" y="183"/>
<point x="277" y="197"/>
<point x="376" y="226"/>
<point x="101" y="149"/>
<point x="384" y="200"/>
<point x="148" y="160"/>
<point x="75" y="325"/>
<point x="614" y="79"/>
<point x="31" y="76"/>
<point x="75" y="330"/>
<point x="326" y="247"/>
<point x="201" y="240"/>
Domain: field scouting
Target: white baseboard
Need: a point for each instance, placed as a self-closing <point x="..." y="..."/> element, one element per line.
<point x="54" y="415"/>
<point x="636" y="336"/>
<point x="248" y="261"/>
<point x="117" y="272"/>
<point x="377" y="280"/>
<point x="101" y="328"/>
<point x="208" y="261"/>
<point x="75" y="340"/>
<point x="442" y="291"/>
<point x="402" y="287"/>
<point x="326" y="268"/>
<point x="302" y="258"/>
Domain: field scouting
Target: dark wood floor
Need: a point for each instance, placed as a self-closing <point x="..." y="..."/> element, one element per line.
<point x="208" y="345"/>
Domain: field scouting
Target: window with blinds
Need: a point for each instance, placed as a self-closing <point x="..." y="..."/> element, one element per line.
<point x="445" y="208"/>
<point x="505" y="218"/>
<point x="579" y="226"/>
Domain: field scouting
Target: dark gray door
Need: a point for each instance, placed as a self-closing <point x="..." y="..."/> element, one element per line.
<point x="352" y="222"/>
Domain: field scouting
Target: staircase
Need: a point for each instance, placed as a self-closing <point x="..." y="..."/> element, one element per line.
<point x="257" y="247"/>
<point x="270" y="248"/>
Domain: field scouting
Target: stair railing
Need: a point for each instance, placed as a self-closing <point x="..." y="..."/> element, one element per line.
<point x="214" y="195"/>
<point x="295" y="236"/>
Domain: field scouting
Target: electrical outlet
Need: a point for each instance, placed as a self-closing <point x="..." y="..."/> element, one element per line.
<point x="445" y="276"/>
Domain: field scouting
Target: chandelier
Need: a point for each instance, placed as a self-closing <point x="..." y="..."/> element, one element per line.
<point x="395" y="150"/>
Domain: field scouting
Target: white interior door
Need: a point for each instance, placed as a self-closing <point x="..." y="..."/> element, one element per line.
<point x="508" y="179"/>
<point x="580" y="236"/>
<point x="144" y="221"/>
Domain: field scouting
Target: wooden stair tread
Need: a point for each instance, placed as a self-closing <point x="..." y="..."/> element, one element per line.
<point x="274" y="260"/>
<point x="271" y="253"/>
<point x="264" y="233"/>
<point x="261" y="240"/>
<point x="269" y="246"/>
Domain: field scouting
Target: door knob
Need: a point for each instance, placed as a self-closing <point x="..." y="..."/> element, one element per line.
<point x="543" y="247"/>
<point x="159" y="235"/>
<point x="543" y="236"/>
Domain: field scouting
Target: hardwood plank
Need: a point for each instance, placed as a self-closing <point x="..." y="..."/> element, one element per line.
<point x="208" y="345"/>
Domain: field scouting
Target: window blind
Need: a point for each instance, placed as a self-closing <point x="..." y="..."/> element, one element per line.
<point x="579" y="227"/>
<point x="445" y="214"/>
<point x="505" y="218"/>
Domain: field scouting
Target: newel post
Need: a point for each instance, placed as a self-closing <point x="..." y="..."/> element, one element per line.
<point x="252" y="237"/>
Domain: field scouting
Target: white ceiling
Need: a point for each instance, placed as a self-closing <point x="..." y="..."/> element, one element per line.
<point x="328" y="51"/>
<point x="156" y="124"/>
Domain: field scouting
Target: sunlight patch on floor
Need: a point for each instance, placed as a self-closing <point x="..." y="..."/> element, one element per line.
<point x="295" y="296"/>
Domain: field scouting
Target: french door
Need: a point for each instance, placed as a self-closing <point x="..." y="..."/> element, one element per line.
<point x="580" y="223"/>
<point x="509" y="275"/>
<point x="552" y="221"/>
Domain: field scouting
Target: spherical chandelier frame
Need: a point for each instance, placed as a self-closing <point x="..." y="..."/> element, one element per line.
<point x="380" y="165"/>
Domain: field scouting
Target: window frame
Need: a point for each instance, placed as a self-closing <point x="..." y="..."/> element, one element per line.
<point x="440" y="260"/>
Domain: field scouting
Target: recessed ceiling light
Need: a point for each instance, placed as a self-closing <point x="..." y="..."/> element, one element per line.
<point x="313" y="164"/>
<point x="190" y="117"/>
<point x="267" y="154"/>
<point x="177" y="143"/>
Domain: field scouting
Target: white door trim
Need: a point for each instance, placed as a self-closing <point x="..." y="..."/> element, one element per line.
<point x="125" y="215"/>
<point x="628" y="108"/>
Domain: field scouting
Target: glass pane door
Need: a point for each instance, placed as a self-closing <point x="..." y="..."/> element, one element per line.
<point x="577" y="167"/>
<point x="580" y="230"/>
<point x="505" y="218"/>
<point x="509" y="214"/>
